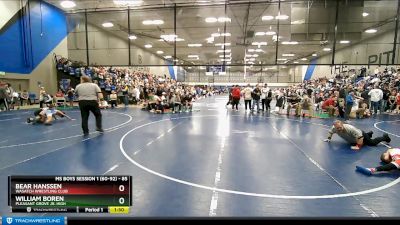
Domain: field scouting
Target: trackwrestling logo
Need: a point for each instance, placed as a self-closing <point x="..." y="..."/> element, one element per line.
<point x="33" y="220"/>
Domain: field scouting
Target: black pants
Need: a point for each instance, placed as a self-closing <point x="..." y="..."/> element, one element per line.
<point x="87" y="106"/>
<point x="372" y="142"/>
<point x="263" y="103"/>
<point x="41" y="104"/>
<point x="247" y="102"/>
<point x="3" y="101"/>
<point x="348" y="111"/>
<point x="113" y="103"/>
<point x="268" y="103"/>
<point x="235" y="103"/>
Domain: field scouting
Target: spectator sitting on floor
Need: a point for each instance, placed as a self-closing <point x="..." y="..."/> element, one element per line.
<point x="330" y="105"/>
<point x="113" y="99"/>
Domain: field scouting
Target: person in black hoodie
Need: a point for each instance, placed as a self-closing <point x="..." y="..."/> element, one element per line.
<point x="386" y="94"/>
<point x="256" y="94"/>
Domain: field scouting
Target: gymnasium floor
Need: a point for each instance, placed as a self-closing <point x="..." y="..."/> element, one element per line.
<point x="211" y="162"/>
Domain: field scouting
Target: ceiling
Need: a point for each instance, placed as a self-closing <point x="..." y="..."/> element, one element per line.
<point x="310" y="23"/>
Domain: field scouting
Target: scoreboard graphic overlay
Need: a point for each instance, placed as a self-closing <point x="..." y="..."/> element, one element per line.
<point x="70" y="194"/>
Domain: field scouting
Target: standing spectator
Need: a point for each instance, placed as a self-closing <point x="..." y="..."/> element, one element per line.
<point x="392" y="101"/>
<point x="385" y="98"/>
<point x="376" y="96"/>
<point x="268" y="99"/>
<point x="256" y="94"/>
<point x="24" y="96"/>
<point x="70" y="96"/>
<point x="235" y="97"/>
<point x="10" y="96"/>
<point x="264" y="92"/>
<point x="42" y="92"/>
<point x="247" y="96"/>
<point x="3" y="98"/>
<point x="350" y="98"/>
<point x="89" y="96"/>
<point x="341" y="102"/>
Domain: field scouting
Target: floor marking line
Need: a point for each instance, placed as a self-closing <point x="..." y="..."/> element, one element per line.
<point x="157" y="138"/>
<point x="376" y="126"/>
<point x="73" y="136"/>
<point x="111" y="169"/>
<point x="217" y="179"/>
<point x="331" y="196"/>
<point x="370" y="211"/>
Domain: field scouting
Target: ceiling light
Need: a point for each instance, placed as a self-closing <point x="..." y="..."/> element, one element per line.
<point x="168" y="57"/>
<point x="226" y="34"/>
<point x="364" y="14"/>
<point x="68" y="4"/>
<point x="160" y="52"/>
<point x="152" y="22"/>
<point x="270" y="33"/>
<point x="259" y="50"/>
<point x="195" y="45"/>
<point x="303" y="59"/>
<point x="281" y="59"/>
<point x="371" y="31"/>
<point x="255" y="55"/>
<point x="290" y="42"/>
<point x="132" y="37"/>
<point x="344" y="42"/>
<point x="128" y="2"/>
<point x="148" y="46"/>
<point x="215" y="34"/>
<point x="107" y="24"/>
<point x="193" y="56"/>
<point x="259" y="43"/>
<point x="224" y="19"/>
<point x="222" y="44"/>
<point x="189" y="67"/>
<point x="287" y="55"/>
<point x="210" y="40"/>
<point x="295" y="62"/>
<point x="158" y="22"/>
<point x="260" y="33"/>
<point x="315" y="54"/>
<point x="265" y="18"/>
<point x="251" y="50"/>
<point x="282" y="17"/>
<point x="211" y="20"/>
<point x="326" y="49"/>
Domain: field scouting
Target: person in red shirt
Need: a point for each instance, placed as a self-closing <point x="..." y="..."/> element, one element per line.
<point x="60" y="94"/>
<point x="329" y="105"/>
<point x="235" y="97"/>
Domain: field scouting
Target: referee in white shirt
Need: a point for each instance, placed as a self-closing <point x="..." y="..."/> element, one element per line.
<point x="89" y="96"/>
